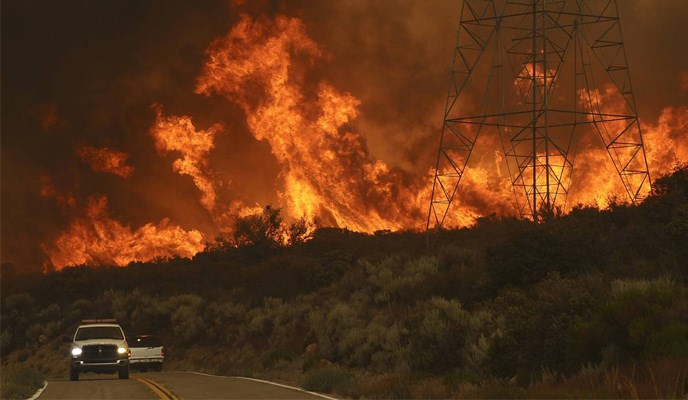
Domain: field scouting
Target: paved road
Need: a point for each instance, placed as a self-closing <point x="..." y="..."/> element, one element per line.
<point x="169" y="386"/>
<point x="93" y="386"/>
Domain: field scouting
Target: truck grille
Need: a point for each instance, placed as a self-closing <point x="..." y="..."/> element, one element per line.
<point x="99" y="353"/>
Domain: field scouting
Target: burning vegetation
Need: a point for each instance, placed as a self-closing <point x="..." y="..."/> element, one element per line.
<point x="326" y="174"/>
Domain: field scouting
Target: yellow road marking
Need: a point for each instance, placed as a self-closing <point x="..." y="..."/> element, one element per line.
<point x="157" y="388"/>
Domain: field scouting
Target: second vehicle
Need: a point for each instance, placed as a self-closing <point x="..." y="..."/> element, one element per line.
<point x="147" y="352"/>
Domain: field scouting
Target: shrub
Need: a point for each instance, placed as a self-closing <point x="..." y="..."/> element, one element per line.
<point x="20" y="382"/>
<point x="329" y="379"/>
<point x="444" y="336"/>
<point x="670" y="340"/>
<point x="17" y="312"/>
<point x="386" y="386"/>
<point x="262" y="231"/>
<point x="539" y="329"/>
<point x="398" y="281"/>
<point x="187" y="319"/>
<point x="643" y="319"/>
<point x="525" y="258"/>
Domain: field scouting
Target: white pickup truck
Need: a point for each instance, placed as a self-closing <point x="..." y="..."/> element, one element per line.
<point x="98" y="345"/>
<point x="146" y="352"/>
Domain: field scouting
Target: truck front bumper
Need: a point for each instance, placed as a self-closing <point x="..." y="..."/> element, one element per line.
<point x="110" y="366"/>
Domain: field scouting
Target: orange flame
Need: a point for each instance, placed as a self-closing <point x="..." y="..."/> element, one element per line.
<point x="178" y="134"/>
<point x="530" y="70"/>
<point x="666" y="141"/>
<point x="106" y="160"/>
<point x="595" y="179"/>
<point x="326" y="169"/>
<point x="98" y="239"/>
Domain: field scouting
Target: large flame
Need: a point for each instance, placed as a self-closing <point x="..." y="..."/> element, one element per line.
<point x="97" y="239"/>
<point x="596" y="181"/>
<point x="178" y="134"/>
<point x="666" y="142"/>
<point x="325" y="166"/>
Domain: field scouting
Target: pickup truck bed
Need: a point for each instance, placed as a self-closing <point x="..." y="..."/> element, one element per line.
<point x="146" y="352"/>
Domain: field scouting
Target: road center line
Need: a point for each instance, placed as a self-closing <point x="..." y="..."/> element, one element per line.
<point x="162" y="392"/>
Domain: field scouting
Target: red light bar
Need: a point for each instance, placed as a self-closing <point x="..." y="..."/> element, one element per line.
<point x="99" y="321"/>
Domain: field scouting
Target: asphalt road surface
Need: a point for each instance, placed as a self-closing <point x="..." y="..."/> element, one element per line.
<point x="168" y="386"/>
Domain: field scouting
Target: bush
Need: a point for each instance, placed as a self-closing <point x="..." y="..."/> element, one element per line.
<point x="539" y="328"/>
<point x="642" y="320"/>
<point x="20" y="383"/>
<point x="186" y="320"/>
<point x="329" y="379"/>
<point x="396" y="280"/>
<point x="386" y="386"/>
<point x="17" y="312"/>
<point x="444" y="336"/>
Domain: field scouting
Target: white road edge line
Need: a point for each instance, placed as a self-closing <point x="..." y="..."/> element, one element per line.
<point x="39" y="391"/>
<point x="268" y="382"/>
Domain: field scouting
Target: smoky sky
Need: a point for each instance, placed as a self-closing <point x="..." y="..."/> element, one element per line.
<point x="86" y="73"/>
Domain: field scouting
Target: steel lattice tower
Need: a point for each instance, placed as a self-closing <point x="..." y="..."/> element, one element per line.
<point x="538" y="72"/>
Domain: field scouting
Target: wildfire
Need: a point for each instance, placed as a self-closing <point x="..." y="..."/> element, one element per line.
<point x="97" y="239"/>
<point x="666" y="141"/>
<point x="530" y="70"/>
<point x="178" y="134"/>
<point x="595" y="179"/>
<point x="105" y="160"/>
<point x="326" y="172"/>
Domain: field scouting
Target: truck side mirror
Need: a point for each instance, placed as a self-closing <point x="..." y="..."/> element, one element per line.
<point x="66" y="338"/>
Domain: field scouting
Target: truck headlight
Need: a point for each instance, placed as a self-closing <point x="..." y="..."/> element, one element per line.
<point x="121" y="350"/>
<point x="76" y="351"/>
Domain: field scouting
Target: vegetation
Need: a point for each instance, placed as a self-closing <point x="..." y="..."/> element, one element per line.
<point x="590" y="304"/>
<point x="19" y="383"/>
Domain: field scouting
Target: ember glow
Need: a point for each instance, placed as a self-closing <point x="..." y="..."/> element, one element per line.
<point x="105" y="160"/>
<point x="267" y="108"/>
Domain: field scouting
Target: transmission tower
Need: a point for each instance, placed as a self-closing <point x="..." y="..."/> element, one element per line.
<point x="538" y="73"/>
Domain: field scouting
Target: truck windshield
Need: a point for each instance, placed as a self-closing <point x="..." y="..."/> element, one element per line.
<point x="99" y="332"/>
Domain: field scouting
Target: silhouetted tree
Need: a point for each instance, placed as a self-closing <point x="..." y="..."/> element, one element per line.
<point x="262" y="231"/>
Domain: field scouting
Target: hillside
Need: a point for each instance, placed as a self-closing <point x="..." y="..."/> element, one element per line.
<point x="592" y="303"/>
